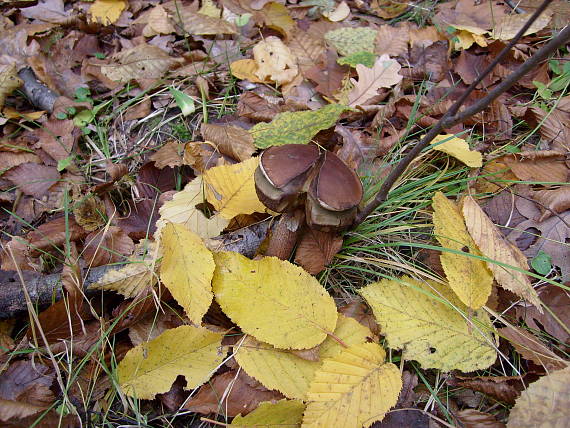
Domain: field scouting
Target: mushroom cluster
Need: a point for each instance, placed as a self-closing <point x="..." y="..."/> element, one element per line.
<point x="291" y="175"/>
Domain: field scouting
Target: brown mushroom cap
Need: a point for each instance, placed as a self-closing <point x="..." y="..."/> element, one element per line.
<point x="282" y="164"/>
<point x="336" y="187"/>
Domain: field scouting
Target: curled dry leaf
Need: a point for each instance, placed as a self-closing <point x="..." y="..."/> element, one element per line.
<point x="230" y="140"/>
<point x="552" y="201"/>
<point x="316" y="249"/>
<point x="384" y="74"/>
<point x="274" y="61"/>
<point x="171" y="154"/>
<point x="471" y="418"/>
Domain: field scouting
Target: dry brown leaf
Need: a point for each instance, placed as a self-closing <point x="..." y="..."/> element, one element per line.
<point x="531" y="348"/>
<point x="107" y="246"/>
<point x="308" y="50"/>
<point x="471" y="418"/>
<point x="493" y="177"/>
<point x="362" y="313"/>
<point x="554" y="124"/>
<point x="230" y="140"/>
<point x="158" y="22"/>
<point x="503" y="388"/>
<point x="9" y="81"/>
<point x="199" y="24"/>
<point x="384" y="74"/>
<point x="171" y="155"/>
<point x="33" y="179"/>
<point x="508" y="26"/>
<point x="230" y="393"/>
<point x="257" y="107"/>
<point x="328" y="75"/>
<point x="543" y="166"/>
<point x="316" y="249"/>
<point x="276" y="16"/>
<point x="58" y="137"/>
<point x="552" y="201"/>
<point x="388" y="9"/>
<point x="51" y="11"/>
<point x="392" y="41"/>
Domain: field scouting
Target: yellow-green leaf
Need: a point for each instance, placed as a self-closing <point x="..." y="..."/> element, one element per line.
<point x="151" y="368"/>
<point x="348" y="40"/>
<point x="429" y="323"/>
<point x="231" y="189"/>
<point x="283" y="414"/>
<point x="467" y="276"/>
<point x="458" y="148"/>
<point x="187" y="269"/>
<point x="9" y="81"/>
<point x="286" y="372"/>
<point x="297" y="127"/>
<point x="106" y="12"/>
<point x="181" y="209"/>
<point x="544" y="403"/>
<point x="496" y="247"/>
<point x="273" y="300"/>
<point x="353" y="389"/>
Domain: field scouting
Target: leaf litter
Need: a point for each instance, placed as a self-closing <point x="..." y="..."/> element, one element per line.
<point x="133" y="169"/>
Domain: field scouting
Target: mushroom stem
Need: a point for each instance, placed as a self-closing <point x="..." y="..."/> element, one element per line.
<point x="285" y="234"/>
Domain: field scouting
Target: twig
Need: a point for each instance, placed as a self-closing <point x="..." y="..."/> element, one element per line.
<point x="452" y="117"/>
<point x="38" y="93"/>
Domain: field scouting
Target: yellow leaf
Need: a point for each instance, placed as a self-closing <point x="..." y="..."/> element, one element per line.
<point x="384" y="74"/>
<point x="231" y="189"/>
<point x="353" y="389"/>
<point x="509" y="25"/>
<point x="276" y="16"/>
<point x="134" y="276"/>
<point x="274" y="61"/>
<point x="458" y="148"/>
<point x="286" y="372"/>
<point x="467" y="276"/>
<point x="106" y="12"/>
<point x="9" y="81"/>
<point x="181" y="209"/>
<point x="151" y="368"/>
<point x="428" y="322"/>
<point x="210" y="9"/>
<point x="273" y="300"/>
<point x="187" y="268"/>
<point x="465" y="40"/>
<point x="246" y="69"/>
<point x="340" y="13"/>
<point x="495" y="246"/>
<point x="544" y="403"/>
<point x="282" y="414"/>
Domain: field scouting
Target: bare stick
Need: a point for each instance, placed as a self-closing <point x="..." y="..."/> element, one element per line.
<point x="452" y="117"/>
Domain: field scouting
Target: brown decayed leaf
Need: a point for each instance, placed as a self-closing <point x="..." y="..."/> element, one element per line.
<point x="107" y="246"/>
<point x="33" y="179"/>
<point x="558" y="301"/>
<point x="54" y="233"/>
<point x="308" y="50"/>
<point x="51" y="11"/>
<point x="431" y="62"/>
<point x="503" y="388"/>
<point x="384" y="74"/>
<point x="544" y="166"/>
<point x="274" y="61"/>
<point x="493" y="177"/>
<point x="10" y="160"/>
<point x="230" y="140"/>
<point x="471" y="418"/>
<point x="9" y="81"/>
<point x="358" y="150"/>
<point x="89" y="212"/>
<point x="388" y="9"/>
<point x="508" y="26"/>
<point x="57" y="138"/>
<point x="554" y="124"/>
<point x="509" y="209"/>
<point x="171" y="154"/>
<point x="316" y="249"/>
<point x="231" y="393"/>
<point x="408" y="418"/>
<point x="258" y="107"/>
<point x="328" y="74"/>
<point x="158" y="22"/>
<point x="361" y="312"/>
<point x="392" y="41"/>
<point x="153" y="326"/>
<point x="531" y="348"/>
<point x="276" y="16"/>
<point x="552" y="201"/>
<point x="199" y="24"/>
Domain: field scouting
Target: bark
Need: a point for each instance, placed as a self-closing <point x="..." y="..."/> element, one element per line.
<point x="37" y="93"/>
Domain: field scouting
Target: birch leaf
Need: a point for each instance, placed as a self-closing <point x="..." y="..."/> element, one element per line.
<point x="151" y="368"/>
<point x="496" y="247"/>
<point x="181" y="209"/>
<point x="467" y="276"/>
<point x="428" y="322"/>
<point x="187" y="268"/>
<point x="544" y="403"/>
<point x="273" y="300"/>
<point x="458" y="148"/>
<point x="231" y="189"/>
<point x="283" y="414"/>
<point x="296" y="127"/>
<point x="286" y="372"/>
<point x="384" y="74"/>
<point x="353" y="389"/>
<point x="349" y="40"/>
<point x="106" y="12"/>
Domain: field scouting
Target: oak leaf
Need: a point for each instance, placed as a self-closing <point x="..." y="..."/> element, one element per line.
<point x="152" y="367"/>
<point x="458" y="148"/>
<point x="292" y="310"/>
<point x="186" y="270"/>
<point x="467" y="276"/>
<point x="426" y="320"/>
<point x="284" y="413"/>
<point x="384" y="74"/>
<point x="353" y="389"/>
<point x="231" y="189"/>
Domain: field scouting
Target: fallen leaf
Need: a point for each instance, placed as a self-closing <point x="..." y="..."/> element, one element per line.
<point x="158" y="22"/>
<point x="495" y="246"/>
<point x="274" y="61"/>
<point x="107" y="246"/>
<point x="508" y="26"/>
<point x="307" y="50"/>
<point x="384" y="74"/>
<point x="471" y="418"/>
<point x="33" y="179"/>
<point x="468" y="277"/>
<point x="189" y="22"/>
<point x="503" y="388"/>
<point x="388" y="9"/>
<point x="181" y="209"/>
<point x="9" y="81"/>
<point x="409" y="418"/>
<point x="544" y="403"/>
<point x="231" y="189"/>
<point x="276" y="16"/>
<point x="152" y="367"/>
<point x="106" y="12"/>
<point x="293" y="311"/>
<point x="552" y="202"/>
<point x="458" y="148"/>
<point x="171" y="154"/>
<point x="349" y="40"/>
<point x="283" y="413"/>
<point x="392" y="41"/>
<point x="328" y="74"/>
<point x="531" y="348"/>
<point x="366" y="59"/>
<point x="209" y="8"/>
<point x="186" y="270"/>
<point x="542" y="166"/>
<point x="295" y="127"/>
<point x="230" y="393"/>
<point x="340" y="13"/>
<point x="230" y="140"/>
<point x="431" y="331"/>
<point x="52" y="11"/>
<point x="365" y="388"/>
<point x="316" y="249"/>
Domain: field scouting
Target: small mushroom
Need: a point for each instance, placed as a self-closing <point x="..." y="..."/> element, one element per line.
<point x="282" y="174"/>
<point x="333" y="195"/>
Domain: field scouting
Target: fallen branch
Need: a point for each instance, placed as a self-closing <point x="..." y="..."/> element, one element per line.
<point x="453" y="116"/>
<point x="37" y="93"/>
